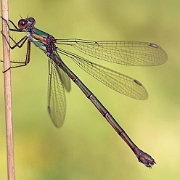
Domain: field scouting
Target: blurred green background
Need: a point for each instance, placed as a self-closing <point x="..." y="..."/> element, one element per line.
<point x="86" y="147"/>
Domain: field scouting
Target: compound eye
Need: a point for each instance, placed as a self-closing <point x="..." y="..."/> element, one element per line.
<point x="31" y="19"/>
<point x="22" y="23"/>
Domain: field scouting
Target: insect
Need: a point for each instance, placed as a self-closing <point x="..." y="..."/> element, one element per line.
<point x="120" y="52"/>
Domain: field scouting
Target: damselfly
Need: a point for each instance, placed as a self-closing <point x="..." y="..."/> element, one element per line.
<point x="120" y="52"/>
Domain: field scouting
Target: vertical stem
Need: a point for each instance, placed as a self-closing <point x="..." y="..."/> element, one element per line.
<point x="7" y="95"/>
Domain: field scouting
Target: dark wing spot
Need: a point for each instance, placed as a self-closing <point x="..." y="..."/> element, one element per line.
<point x="49" y="109"/>
<point x="137" y="82"/>
<point x="153" y="45"/>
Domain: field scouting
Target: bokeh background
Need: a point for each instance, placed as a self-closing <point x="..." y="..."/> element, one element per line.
<point x="86" y="147"/>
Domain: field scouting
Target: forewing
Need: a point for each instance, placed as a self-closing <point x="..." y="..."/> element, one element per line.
<point x="121" y="52"/>
<point x="56" y="95"/>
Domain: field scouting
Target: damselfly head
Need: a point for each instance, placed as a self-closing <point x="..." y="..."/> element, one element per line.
<point x="23" y="23"/>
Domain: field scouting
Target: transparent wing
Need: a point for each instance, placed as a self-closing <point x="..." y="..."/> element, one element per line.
<point x="57" y="81"/>
<point x="121" y="52"/>
<point x="115" y="80"/>
<point x="64" y="79"/>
